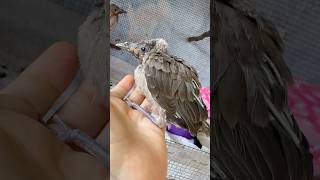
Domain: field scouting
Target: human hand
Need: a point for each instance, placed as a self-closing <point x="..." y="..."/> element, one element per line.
<point x="28" y="149"/>
<point x="137" y="146"/>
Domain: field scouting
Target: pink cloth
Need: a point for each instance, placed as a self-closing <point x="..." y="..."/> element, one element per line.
<point x="205" y="94"/>
<point x="304" y="101"/>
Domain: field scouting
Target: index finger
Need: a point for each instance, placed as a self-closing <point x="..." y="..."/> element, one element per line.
<point x="123" y="87"/>
<point x="46" y="78"/>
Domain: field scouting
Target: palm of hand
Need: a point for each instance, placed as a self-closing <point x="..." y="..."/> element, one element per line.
<point x="135" y="142"/>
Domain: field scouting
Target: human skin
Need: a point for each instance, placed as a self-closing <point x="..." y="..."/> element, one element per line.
<point x="28" y="149"/>
<point x="137" y="147"/>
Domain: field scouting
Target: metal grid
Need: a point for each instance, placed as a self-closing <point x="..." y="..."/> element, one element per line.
<point x="187" y="163"/>
<point x="174" y="21"/>
<point x="300" y="24"/>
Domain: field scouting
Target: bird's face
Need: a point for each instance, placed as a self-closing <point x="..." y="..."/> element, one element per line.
<point x="142" y="48"/>
<point x="115" y="10"/>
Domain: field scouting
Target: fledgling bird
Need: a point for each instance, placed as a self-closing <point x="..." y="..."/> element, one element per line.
<point x="253" y="134"/>
<point x="170" y="85"/>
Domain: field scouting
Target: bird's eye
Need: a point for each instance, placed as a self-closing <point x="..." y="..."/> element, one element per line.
<point x="143" y="49"/>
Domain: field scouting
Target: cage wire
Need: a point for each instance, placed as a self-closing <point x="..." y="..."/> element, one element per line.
<point x="187" y="163"/>
<point x="299" y="23"/>
<point x="174" y="21"/>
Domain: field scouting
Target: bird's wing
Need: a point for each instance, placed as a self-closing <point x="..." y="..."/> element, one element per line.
<point x="255" y="135"/>
<point x="175" y="86"/>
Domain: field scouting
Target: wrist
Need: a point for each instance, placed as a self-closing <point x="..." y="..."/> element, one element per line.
<point x="146" y="167"/>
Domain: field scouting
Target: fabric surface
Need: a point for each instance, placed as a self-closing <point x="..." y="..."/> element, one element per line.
<point x="304" y="101"/>
<point x="205" y="94"/>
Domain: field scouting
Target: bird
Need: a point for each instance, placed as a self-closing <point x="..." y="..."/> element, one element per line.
<point x="254" y="135"/>
<point x="114" y="13"/>
<point x="170" y="85"/>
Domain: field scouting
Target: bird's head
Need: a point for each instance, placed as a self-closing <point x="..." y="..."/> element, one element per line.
<point x="143" y="47"/>
<point x="115" y="10"/>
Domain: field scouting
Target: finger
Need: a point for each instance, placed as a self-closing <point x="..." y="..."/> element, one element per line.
<point x="137" y="97"/>
<point x="46" y="78"/>
<point x="123" y="87"/>
<point x="146" y="105"/>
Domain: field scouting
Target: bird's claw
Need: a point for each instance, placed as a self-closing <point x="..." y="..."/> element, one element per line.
<point x="140" y="109"/>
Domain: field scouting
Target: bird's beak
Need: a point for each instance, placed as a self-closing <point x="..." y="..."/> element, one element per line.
<point x="130" y="47"/>
<point x="123" y="46"/>
<point x="122" y="11"/>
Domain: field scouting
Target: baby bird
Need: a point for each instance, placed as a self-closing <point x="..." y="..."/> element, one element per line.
<point x="170" y="85"/>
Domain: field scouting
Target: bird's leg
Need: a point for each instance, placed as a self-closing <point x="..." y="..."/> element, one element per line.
<point x="139" y="108"/>
<point x="159" y="115"/>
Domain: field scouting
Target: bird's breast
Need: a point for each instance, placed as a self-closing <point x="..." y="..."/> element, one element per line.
<point x="141" y="83"/>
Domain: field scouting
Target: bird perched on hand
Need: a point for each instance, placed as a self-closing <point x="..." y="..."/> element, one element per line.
<point x="254" y="134"/>
<point x="170" y="85"/>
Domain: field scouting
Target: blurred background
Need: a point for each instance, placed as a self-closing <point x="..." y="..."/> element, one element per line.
<point x="27" y="28"/>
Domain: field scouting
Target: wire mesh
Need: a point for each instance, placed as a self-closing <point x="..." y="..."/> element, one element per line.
<point x="299" y="21"/>
<point x="187" y="163"/>
<point x="174" y="21"/>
